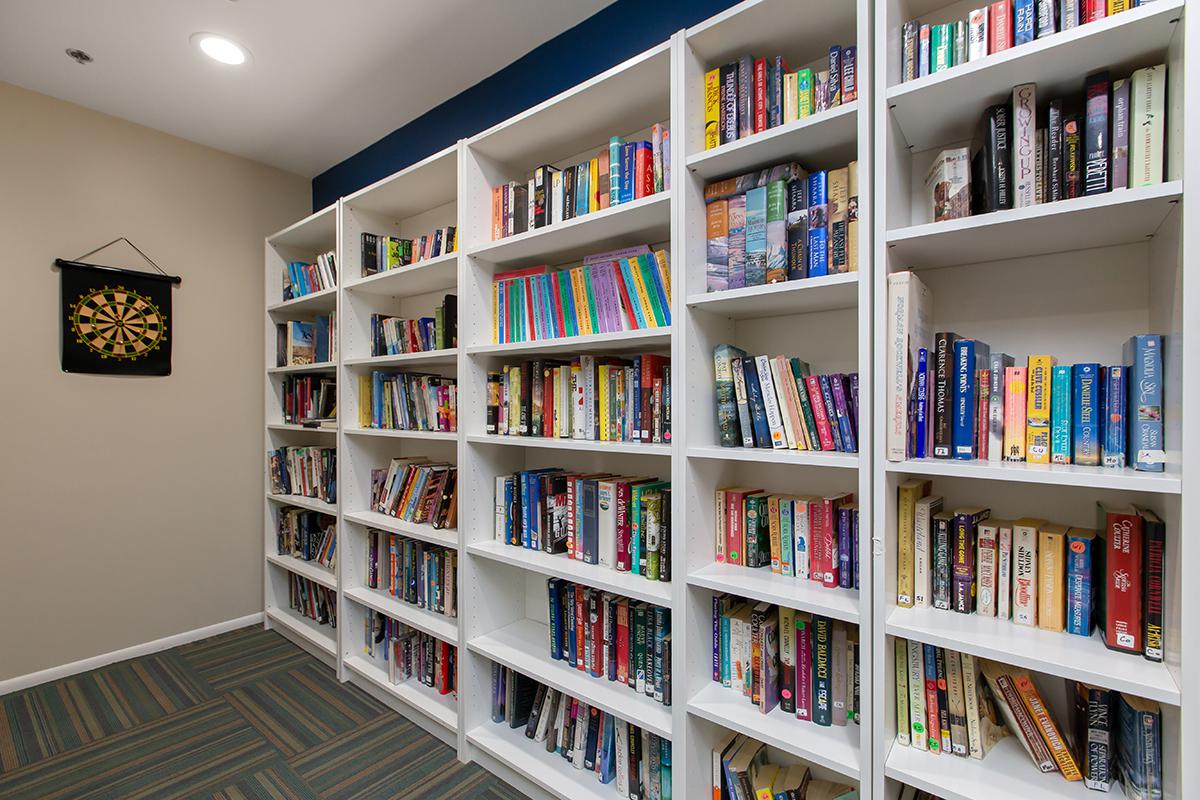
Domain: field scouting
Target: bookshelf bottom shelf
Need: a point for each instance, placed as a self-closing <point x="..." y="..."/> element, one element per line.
<point x="317" y="635"/>
<point x="441" y="708"/>
<point x="549" y="771"/>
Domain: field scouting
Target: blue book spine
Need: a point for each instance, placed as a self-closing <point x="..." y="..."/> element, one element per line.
<point x="1143" y="356"/>
<point x="569" y="621"/>
<point x="583" y="189"/>
<point x="1060" y="415"/>
<point x="1086" y="411"/>
<point x="756" y="236"/>
<point x="854" y="542"/>
<point x="758" y="412"/>
<point x="963" y="436"/>
<point x="660" y="290"/>
<point x="321" y="338"/>
<point x="523" y="477"/>
<point x="1079" y="584"/>
<point x="845" y="549"/>
<point x="552" y="589"/>
<point x="831" y="411"/>
<point x="627" y="151"/>
<point x="627" y="274"/>
<point x="919" y="449"/>
<point x="1115" y="416"/>
<point x="818" y="228"/>
<point x="614" y="170"/>
<point x="1023" y="23"/>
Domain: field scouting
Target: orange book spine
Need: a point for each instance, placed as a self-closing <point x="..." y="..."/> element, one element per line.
<point x="1041" y="717"/>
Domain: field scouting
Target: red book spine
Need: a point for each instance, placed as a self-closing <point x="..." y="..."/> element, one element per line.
<point x="1123" y="581"/>
<point x="530" y="325"/>
<point x="829" y="542"/>
<point x="760" y="95"/>
<point x="625" y="301"/>
<point x="1000" y="32"/>
<point x="983" y="380"/>
<point x="623" y="642"/>
<point x="580" y="627"/>
<point x="548" y="402"/>
<point x="624" y="493"/>
<point x="1096" y="9"/>
<point x="818" y="560"/>
<point x="645" y="396"/>
<point x="643" y="172"/>
<point x="733" y="527"/>
<point x="804" y="672"/>
<point x="933" y="720"/>
<point x="824" y="433"/>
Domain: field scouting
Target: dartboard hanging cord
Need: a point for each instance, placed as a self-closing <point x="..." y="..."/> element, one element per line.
<point x="78" y="262"/>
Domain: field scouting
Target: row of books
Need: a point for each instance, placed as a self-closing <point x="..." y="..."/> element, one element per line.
<point x="777" y="402"/>
<point x="620" y="173"/>
<point x="742" y="770"/>
<point x="410" y="653"/>
<point x="1034" y="572"/>
<point x="381" y="253"/>
<point x="588" y="398"/>
<point x="415" y="572"/>
<point x="309" y="400"/>
<point x="613" y="637"/>
<point x="312" y="600"/>
<point x="621" y="523"/>
<point x="301" y="278"/>
<point x="307" y="535"/>
<point x="780" y="224"/>
<point x="298" y="342"/>
<point x="621" y="290"/>
<point x="636" y="762"/>
<point x="1111" y="138"/>
<point x="776" y="656"/>
<point x="950" y="397"/>
<point x="407" y="401"/>
<point x="391" y="336"/>
<point x="304" y="472"/>
<point x="417" y="490"/>
<point x="926" y="49"/>
<point x="751" y="95"/>
<point x="950" y="702"/>
<point x="808" y="538"/>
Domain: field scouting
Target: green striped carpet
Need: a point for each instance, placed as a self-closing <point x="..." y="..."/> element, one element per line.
<point x="242" y="716"/>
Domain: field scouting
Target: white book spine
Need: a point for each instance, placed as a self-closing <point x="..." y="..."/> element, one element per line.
<point x="977" y="34"/>
<point x="566" y="420"/>
<point x="529" y="206"/>
<point x="897" y="378"/>
<point x="1146" y="100"/>
<point x="801" y="539"/>
<point x="762" y="365"/>
<point x="556" y="192"/>
<point x="622" y="747"/>
<point x="1070" y="14"/>
<point x="1004" y="572"/>
<point x="543" y="726"/>
<point x="970" y="679"/>
<point x="789" y="431"/>
<point x="985" y="555"/>
<point x="1024" y="591"/>
<point x="1024" y="143"/>
<point x="587" y="365"/>
<point x="922" y="549"/>
<point x="997" y="363"/>
<point x="578" y="746"/>
<point x="606" y="519"/>
<point x="501" y="511"/>
<point x="577" y="403"/>
<point x="916" y="695"/>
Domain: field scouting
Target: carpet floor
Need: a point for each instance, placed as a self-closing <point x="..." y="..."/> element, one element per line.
<point x="245" y="715"/>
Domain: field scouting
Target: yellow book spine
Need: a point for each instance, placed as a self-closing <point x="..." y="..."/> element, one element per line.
<point x="581" y="306"/>
<point x="514" y="401"/>
<point x="1051" y="575"/>
<point x="663" y="259"/>
<point x="602" y="380"/>
<point x="1117" y="6"/>
<point x="495" y="313"/>
<point x="908" y="494"/>
<point x="643" y="298"/>
<point x="556" y="383"/>
<point x="773" y="527"/>
<point x="364" y="401"/>
<point x="594" y="185"/>
<point x="1037" y="409"/>
<point x="852" y="218"/>
<point x="712" y="108"/>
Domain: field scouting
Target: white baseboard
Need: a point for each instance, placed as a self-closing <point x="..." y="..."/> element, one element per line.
<point x="146" y="648"/>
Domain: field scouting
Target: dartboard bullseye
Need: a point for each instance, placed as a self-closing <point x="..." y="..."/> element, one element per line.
<point x="118" y="323"/>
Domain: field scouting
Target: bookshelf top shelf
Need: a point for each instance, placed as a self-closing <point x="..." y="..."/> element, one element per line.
<point x="429" y="183"/>
<point x="317" y="231"/>
<point x="931" y="111"/>
<point x="825" y="293"/>
<point x="769" y="27"/>
<point x="423" y="277"/>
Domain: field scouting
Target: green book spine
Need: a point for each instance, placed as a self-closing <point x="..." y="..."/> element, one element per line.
<point x="941" y="41"/>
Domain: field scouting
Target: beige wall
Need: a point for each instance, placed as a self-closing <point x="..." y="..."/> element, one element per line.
<point x="130" y="508"/>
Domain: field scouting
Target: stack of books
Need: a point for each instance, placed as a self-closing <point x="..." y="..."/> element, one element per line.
<point x="808" y="538"/>
<point x="382" y="253"/>
<point x="952" y="397"/>
<point x="621" y="290"/>
<point x="635" y="762"/>
<point x="592" y="398"/>
<point x="309" y="400"/>
<point x="751" y="95"/>
<point x="307" y="535"/>
<point x="741" y="768"/>
<point x="957" y="703"/>
<point x="621" y="523"/>
<point x="613" y="637"/>
<point x="411" y="653"/>
<point x="392" y="336"/>
<point x="416" y="490"/>
<point x="620" y="173"/>
<point x="301" y="278"/>
<point x="412" y="571"/>
<point x="312" y="600"/>
<point x="298" y="342"/>
<point x="1113" y="141"/>
<point x="407" y="401"/>
<point x="805" y="664"/>
<point x="926" y="49"/>
<point x="777" y="402"/>
<point x="304" y="472"/>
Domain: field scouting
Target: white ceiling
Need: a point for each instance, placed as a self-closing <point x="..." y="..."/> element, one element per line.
<point x="327" y="77"/>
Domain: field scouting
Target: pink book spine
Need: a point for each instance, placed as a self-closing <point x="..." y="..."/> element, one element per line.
<point x="804" y="672"/>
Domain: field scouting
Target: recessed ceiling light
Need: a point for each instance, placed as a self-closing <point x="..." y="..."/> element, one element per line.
<point x="220" y="48"/>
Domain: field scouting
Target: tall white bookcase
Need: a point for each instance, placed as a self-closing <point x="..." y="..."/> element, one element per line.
<point x="1074" y="278"/>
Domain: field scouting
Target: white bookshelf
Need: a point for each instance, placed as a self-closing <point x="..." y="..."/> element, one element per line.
<point x="1105" y="267"/>
<point x="1074" y="278"/>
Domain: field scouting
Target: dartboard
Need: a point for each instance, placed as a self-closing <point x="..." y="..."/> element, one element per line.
<point x="118" y="323"/>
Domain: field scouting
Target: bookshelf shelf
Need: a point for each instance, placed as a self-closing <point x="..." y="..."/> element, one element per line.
<point x="524" y="646"/>
<point x="577" y="445"/>
<point x="299" y="369"/>
<point x="290" y="428"/>
<point x="311" y="503"/>
<point x="306" y="569"/>
<point x="1004" y="773"/>
<point x="828" y="137"/>
<point x="441" y="708"/>
<point x="319" y="636"/>
<point x="423" y="277"/>
<point x="384" y="522"/>
<point x="765" y="586"/>
<point x="930" y="111"/>
<point x="619" y="342"/>
<point x="388" y="433"/>
<point x="439" y="625"/>
<point x="559" y="566"/>
<point x="549" y="772"/>
<point x="833" y="747"/>
<point x="1120" y="217"/>
<point x="826" y="293"/>
<point x="1075" y="657"/>
<point x="647" y="219"/>
<point x="324" y="300"/>
<point x="762" y="455"/>
<point x="429" y="358"/>
<point x="1051" y="474"/>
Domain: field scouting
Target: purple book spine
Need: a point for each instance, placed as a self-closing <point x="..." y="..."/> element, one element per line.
<point x="845" y="550"/>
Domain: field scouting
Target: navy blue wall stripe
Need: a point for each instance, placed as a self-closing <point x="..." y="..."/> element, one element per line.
<point x="608" y="37"/>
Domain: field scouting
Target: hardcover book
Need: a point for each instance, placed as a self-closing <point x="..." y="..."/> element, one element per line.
<point x="1096" y="178"/>
<point x="1085" y="414"/>
<point x="1143" y="358"/>
<point x="948" y="185"/>
<point x="1147" y="97"/>
<point x="1023" y="138"/>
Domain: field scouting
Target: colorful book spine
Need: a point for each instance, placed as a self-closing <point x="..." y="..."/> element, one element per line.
<point x="969" y="356"/>
<point x="1037" y="409"/>
<point x="1080" y="551"/>
<point x="818" y="231"/>
<point x="1024" y="25"/>
<point x="1116" y="397"/>
<point x="1147" y="99"/>
<point x="1143" y="357"/>
<point x="1096" y="177"/>
<point x="1086" y="414"/>
<point x="756" y="236"/>
<point x="1024" y="149"/>
<point x="1060" y="415"/>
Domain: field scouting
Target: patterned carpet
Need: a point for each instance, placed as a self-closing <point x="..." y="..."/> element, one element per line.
<point x="242" y="716"/>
